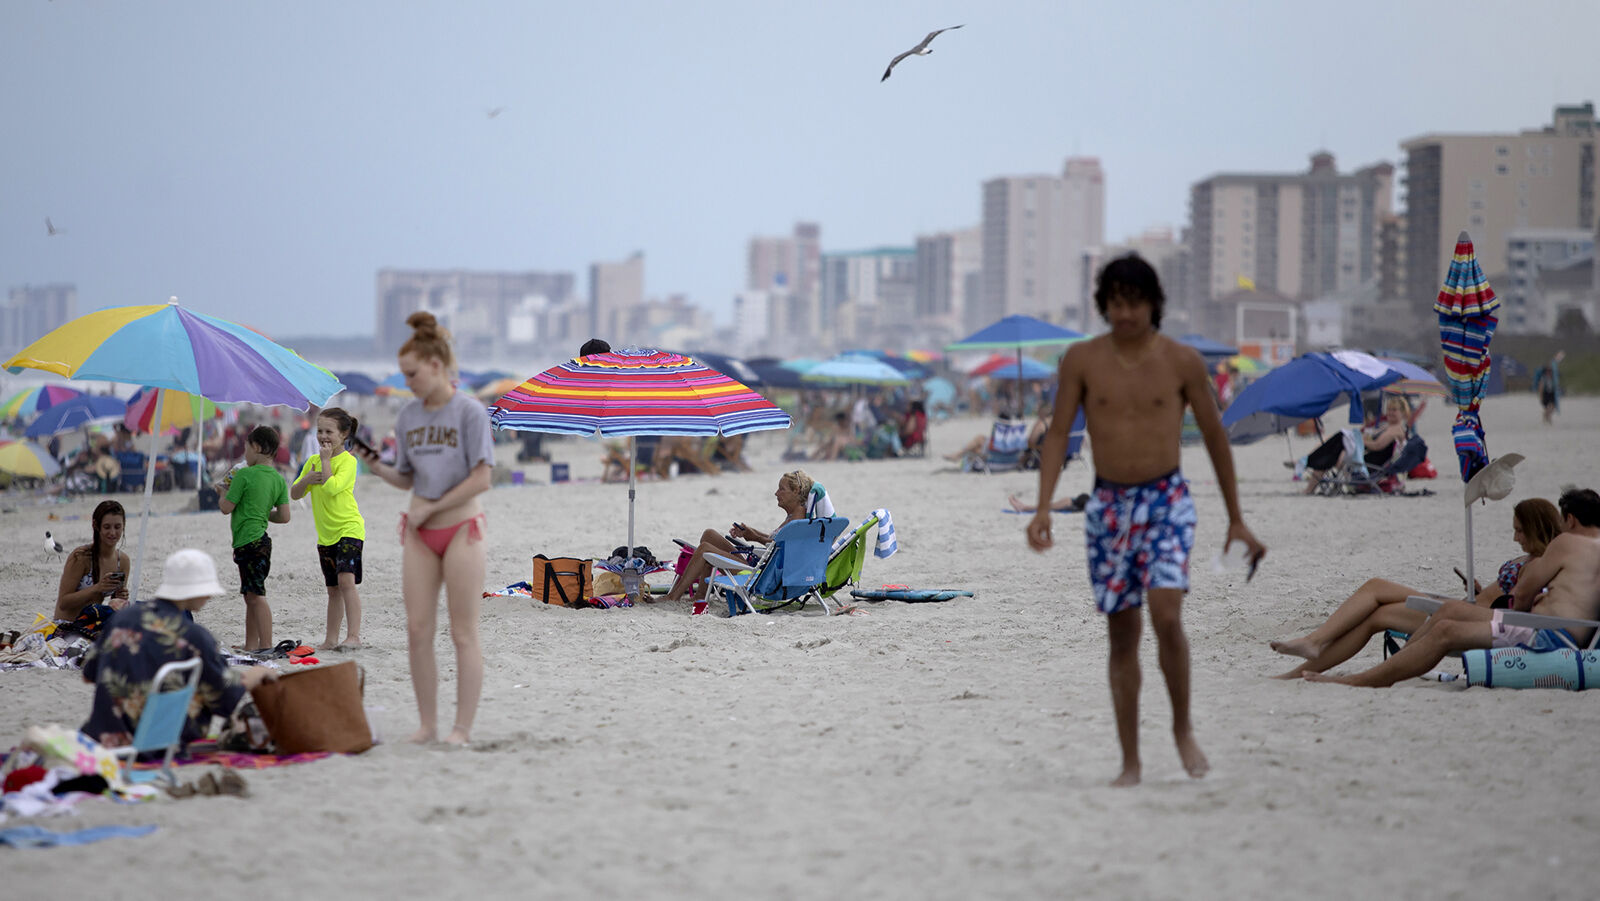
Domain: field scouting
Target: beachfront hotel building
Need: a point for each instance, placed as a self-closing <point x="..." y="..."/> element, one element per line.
<point x="32" y="311"/>
<point x="1489" y="185"/>
<point x="868" y="297"/>
<point x="786" y="271"/>
<point x="1302" y="235"/>
<point x="1037" y="230"/>
<point x="1549" y="271"/>
<point x="614" y="290"/>
<point x="492" y="316"/>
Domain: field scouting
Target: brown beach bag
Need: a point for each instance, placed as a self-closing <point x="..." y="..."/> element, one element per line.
<point x="316" y="709"/>
<point x="563" y="581"/>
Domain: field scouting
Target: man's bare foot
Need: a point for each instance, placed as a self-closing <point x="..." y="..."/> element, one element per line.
<point x="423" y="736"/>
<point x="1130" y="776"/>
<point x="1295" y="673"/>
<point x="1322" y="677"/>
<point x="350" y="644"/>
<point x="457" y="736"/>
<point x="1297" y="647"/>
<point x="1018" y="505"/>
<point x="1194" y="762"/>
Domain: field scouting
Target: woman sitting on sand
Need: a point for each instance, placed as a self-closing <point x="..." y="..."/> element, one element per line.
<point x="1380" y="604"/>
<point x="793" y="490"/>
<point x="94" y="579"/>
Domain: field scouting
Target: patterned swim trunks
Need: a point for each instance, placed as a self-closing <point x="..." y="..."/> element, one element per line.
<point x="343" y="556"/>
<point x="1139" y="538"/>
<point x="255" y="563"/>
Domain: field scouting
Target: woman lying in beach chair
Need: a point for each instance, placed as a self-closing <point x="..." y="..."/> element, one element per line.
<point x="795" y="497"/>
<point x="1379" y="605"/>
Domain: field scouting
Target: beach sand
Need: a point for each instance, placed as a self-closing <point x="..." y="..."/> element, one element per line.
<point x="947" y="750"/>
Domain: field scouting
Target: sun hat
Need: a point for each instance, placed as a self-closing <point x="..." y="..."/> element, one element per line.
<point x="189" y="573"/>
<point x="1495" y="481"/>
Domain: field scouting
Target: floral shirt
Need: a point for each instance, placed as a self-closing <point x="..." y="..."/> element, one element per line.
<point x="135" y="643"/>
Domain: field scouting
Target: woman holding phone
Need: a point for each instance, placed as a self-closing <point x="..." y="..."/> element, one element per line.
<point x="794" y="490"/>
<point x="94" y="578"/>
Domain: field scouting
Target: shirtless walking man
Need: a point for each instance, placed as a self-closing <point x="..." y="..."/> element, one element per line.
<point x="1569" y="568"/>
<point x="1133" y="385"/>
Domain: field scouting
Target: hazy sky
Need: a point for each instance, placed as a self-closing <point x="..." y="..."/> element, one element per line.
<point x="262" y="160"/>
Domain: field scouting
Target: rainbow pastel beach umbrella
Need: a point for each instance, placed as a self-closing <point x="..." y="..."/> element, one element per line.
<point x="26" y="403"/>
<point x="1466" y="309"/>
<point x="167" y="346"/>
<point x="178" y="410"/>
<point x="635" y="391"/>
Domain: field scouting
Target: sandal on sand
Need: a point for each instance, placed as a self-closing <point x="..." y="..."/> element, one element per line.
<point x="207" y="785"/>
<point x="231" y="783"/>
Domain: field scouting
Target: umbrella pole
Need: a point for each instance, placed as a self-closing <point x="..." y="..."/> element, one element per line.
<point x="149" y="488"/>
<point x="1470" y="592"/>
<point x="1022" y="406"/>
<point x="632" y="481"/>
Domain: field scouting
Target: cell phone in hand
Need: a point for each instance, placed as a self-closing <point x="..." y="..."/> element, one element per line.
<point x="1462" y="576"/>
<point x="362" y="448"/>
<point x="119" y="576"/>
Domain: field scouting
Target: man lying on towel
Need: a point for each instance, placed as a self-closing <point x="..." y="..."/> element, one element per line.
<point x="1570" y="569"/>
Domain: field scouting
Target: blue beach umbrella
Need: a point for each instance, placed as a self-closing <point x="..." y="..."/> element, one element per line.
<point x="1016" y="332"/>
<point x="847" y="370"/>
<point x="74" y="414"/>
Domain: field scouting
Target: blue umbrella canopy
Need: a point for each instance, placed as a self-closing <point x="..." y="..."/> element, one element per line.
<point x="1017" y="331"/>
<point x="1208" y="347"/>
<point x="1026" y="369"/>
<point x="357" y="383"/>
<point x="854" y="371"/>
<point x="74" y="414"/>
<point x="774" y="374"/>
<point x="1303" y="388"/>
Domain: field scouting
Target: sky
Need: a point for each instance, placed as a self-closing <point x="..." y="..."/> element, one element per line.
<point x="261" y="161"/>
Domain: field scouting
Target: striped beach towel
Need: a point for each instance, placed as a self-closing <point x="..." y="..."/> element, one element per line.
<point x="887" y="544"/>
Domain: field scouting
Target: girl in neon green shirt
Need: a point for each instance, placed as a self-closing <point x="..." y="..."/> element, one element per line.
<point x="329" y="477"/>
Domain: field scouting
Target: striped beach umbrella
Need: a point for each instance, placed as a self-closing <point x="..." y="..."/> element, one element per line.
<point x="635" y="391"/>
<point x="1466" y="309"/>
<point x="27" y="402"/>
<point x="24" y="458"/>
<point x="168" y="346"/>
<point x="179" y="410"/>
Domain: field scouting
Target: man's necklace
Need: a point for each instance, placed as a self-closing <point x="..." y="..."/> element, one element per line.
<point x="1137" y="361"/>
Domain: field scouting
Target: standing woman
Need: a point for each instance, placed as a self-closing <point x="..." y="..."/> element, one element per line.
<point x="444" y="456"/>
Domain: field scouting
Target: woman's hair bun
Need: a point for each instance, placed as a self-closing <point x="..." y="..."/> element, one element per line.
<point x="423" y="322"/>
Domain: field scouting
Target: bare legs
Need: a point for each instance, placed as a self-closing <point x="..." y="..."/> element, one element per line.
<point x="711" y="541"/>
<point x="1166" y="619"/>
<point x="1361" y="604"/>
<point x="257" y="622"/>
<point x="460" y="573"/>
<point x="1458" y="626"/>
<point x="344" y="604"/>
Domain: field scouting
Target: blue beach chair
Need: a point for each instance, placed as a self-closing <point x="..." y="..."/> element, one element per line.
<point x="792" y="571"/>
<point x="161" y="722"/>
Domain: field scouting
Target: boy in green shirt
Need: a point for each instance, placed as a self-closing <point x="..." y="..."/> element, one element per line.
<point x="256" y="495"/>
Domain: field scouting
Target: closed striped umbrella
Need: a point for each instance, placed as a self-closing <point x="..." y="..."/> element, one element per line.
<point x="635" y="391"/>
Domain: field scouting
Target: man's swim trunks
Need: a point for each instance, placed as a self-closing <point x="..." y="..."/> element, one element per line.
<point x="1139" y="538"/>
<point x="1504" y="636"/>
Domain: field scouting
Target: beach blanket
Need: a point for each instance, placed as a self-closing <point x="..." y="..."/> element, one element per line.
<point x="204" y="752"/>
<point x="40" y="837"/>
<point x="909" y="595"/>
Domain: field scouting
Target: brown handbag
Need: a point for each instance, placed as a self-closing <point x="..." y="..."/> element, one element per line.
<point x="316" y="709"/>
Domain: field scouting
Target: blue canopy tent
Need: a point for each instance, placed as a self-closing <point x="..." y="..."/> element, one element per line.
<point x="1303" y="388"/>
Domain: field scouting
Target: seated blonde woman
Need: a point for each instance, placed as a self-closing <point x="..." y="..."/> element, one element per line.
<point x="1380" y="442"/>
<point x="794" y="490"/>
<point x="1379" y="605"/>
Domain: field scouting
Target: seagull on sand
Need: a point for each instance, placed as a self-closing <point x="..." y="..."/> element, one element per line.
<point x="52" y="545"/>
<point x="919" y="50"/>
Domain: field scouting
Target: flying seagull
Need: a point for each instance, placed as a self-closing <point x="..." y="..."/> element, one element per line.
<point x="50" y="229"/>
<point x="494" y="112"/>
<point x="919" y="50"/>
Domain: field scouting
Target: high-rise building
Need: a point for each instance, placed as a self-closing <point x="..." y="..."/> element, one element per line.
<point x="1036" y="230"/>
<point x="1303" y="235"/>
<point x="32" y="311"/>
<point x="789" y="270"/>
<point x="1490" y="184"/>
<point x="867" y="295"/>
<point x="614" y="290"/>
<point x="491" y="315"/>
<point x="944" y="262"/>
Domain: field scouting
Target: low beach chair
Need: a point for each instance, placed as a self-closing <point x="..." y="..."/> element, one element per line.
<point x="1008" y="442"/>
<point x="1358" y="478"/>
<point x="1430" y="604"/>
<point x="166" y="711"/>
<point x="793" y="569"/>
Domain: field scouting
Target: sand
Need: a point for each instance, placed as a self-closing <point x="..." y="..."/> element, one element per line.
<point x="949" y="750"/>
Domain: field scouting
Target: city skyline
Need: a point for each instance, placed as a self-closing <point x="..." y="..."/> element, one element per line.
<point x="264" y="164"/>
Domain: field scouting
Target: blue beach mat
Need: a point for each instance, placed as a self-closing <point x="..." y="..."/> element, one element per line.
<point x="910" y="595"/>
<point x="1521" y="668"/>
